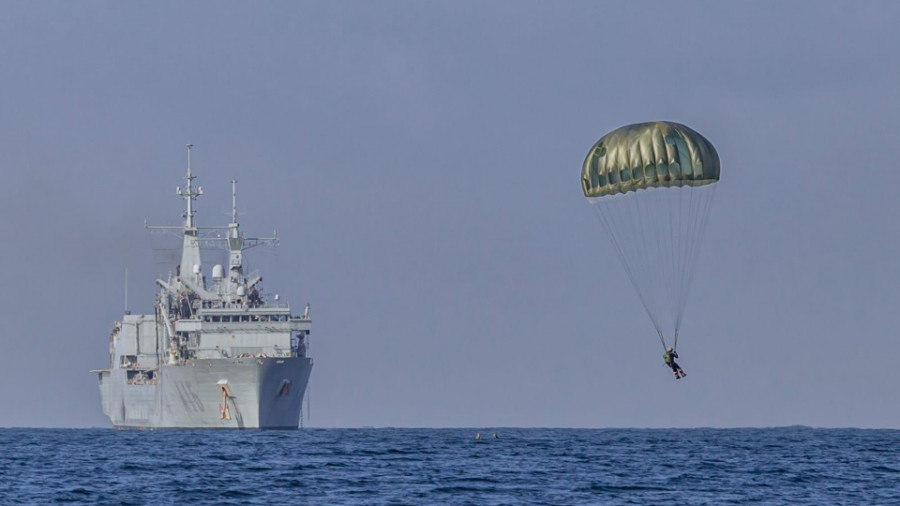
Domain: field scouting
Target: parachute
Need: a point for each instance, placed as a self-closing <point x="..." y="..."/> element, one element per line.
<point x="652" y="185"/>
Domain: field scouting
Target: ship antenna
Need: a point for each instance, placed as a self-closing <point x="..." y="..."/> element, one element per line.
<point x="126" y="292"/>
<point x="190" y="191"/>
<point x="234" y="202"/>
<point x="190" y="250"/>
<point x="190" y="194"/>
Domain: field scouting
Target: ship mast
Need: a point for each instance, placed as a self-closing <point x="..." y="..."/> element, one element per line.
<point x="189" y="274"/>
<point x="235" y="242"/>
<point x="190" y="250"/>
<point x="234" y="203"/>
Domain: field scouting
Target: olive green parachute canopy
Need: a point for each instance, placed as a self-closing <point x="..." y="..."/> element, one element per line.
<point x="648" y="155"/>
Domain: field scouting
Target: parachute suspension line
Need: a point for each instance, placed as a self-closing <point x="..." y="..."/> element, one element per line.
<point x="606" y="221"/>
<point x="609" y="223"/>
<point x="663" y="277"/>
<point x="629" y="219"/>
<point x="674" y="252"/>
<point x="651" y="282"/>
<point x="696" y="238"/>
<point x="661" y="265"/>
<point x="649" y="274"/>
<point x="659" y="253"/>
<point x="671" y="251"/>
<point x="681" y="239"/>
<point x="685" y="229"/>
<point x="608" y="227"/>
<point x="701" y="217"/>
<point x="609" y="217"/>
<point x="708" y="195"/>
<point x="686" y="221"/>
<point x="645" y="224"/>
<point x="637" y="229"/>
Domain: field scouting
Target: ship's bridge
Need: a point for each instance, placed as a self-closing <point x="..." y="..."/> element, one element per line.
<point x="222" y="320"/>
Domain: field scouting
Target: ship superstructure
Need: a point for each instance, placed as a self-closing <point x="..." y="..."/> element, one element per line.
<point x="216" y="352"/>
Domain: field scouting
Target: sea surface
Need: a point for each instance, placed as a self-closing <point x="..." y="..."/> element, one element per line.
<point x="794" y="465"/>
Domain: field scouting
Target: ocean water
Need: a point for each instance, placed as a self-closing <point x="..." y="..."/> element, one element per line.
<point x="794" y="465"/>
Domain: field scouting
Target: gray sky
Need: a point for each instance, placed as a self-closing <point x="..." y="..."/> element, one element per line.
<point x="421" y="162"/>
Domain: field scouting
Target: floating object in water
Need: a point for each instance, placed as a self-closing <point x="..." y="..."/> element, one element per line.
<point x="477" y="435"/>
<point x="494" y="435"/>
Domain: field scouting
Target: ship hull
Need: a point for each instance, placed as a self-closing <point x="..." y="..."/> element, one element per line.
<point x="259" y="393"/>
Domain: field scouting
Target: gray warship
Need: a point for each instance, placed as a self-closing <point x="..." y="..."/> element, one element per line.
<point x="211" y="355"/>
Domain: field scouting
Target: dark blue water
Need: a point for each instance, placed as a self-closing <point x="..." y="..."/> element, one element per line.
<point x="448" y="466"/>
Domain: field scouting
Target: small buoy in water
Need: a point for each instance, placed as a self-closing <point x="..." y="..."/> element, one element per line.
<point x="477" y="435"/>
<point x="494" y="435"/>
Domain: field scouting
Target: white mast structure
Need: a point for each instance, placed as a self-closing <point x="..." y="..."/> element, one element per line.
<point x="190" y="274"/>
<point x="235" y="242"/>
<point x="190" y="250"/>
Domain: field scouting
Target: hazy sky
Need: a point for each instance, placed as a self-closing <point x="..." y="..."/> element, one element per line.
<point x="421" y="163"/>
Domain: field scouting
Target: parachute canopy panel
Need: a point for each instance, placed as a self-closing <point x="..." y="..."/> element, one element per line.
<point x="658" y="154"/>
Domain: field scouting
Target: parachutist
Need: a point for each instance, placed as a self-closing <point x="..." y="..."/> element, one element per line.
<point x="669" y="359"/>
<point x="652" y="185"/>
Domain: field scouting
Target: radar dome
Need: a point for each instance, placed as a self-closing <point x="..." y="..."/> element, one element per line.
<point x="218" y="272"/>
